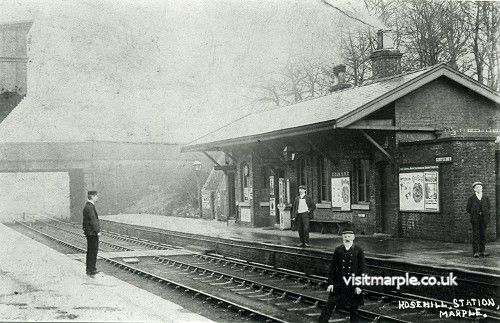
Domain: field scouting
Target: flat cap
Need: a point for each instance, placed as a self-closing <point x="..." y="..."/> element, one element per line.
<point x="92" y="193"/>
<point x="476" y="183"/>
<point x="302" y="187"/>
<point x="347" y="230"/>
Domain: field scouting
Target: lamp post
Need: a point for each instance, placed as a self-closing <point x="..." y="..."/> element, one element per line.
<point x="197" y="169"/>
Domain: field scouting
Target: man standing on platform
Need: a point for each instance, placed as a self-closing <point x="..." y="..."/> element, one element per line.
<point x="478" y="207"/>
<point x="302" y="211"/>
<point x="92" y="231"/>
<point x="348" y="259"/>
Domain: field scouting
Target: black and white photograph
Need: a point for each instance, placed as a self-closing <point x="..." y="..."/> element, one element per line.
<point x="291" y="161"/>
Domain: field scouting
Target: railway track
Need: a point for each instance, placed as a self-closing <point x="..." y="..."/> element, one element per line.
<point x="315" y="263"/>
<point x="259" y="291"/>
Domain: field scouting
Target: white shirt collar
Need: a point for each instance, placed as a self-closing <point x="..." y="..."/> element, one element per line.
<point x="347" y="247"/>
<point x="479" y="195"/>
<point x="91" y="202"/>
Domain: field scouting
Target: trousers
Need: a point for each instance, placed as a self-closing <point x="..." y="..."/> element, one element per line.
<point x="303" y="227"/>
<point x="478" y="236"/>
<point x="329" y="308"/>
<point x="92" y="248"/>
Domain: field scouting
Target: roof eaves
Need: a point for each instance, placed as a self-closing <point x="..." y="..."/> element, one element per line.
<point x="282" y="133"/>
<point x="472" y="84"/>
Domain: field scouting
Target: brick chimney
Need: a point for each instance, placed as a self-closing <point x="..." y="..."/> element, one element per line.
<point x="386" y="60"/>
<point x="338" y="72"/>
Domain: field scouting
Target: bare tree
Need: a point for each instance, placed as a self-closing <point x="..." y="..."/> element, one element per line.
<point x="356" y="49"/>
<point x="295" y="82"/>
<point x="463" y="34"/>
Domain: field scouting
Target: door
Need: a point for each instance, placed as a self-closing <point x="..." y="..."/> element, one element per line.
<point x="231" y="194"/>
<point x="387" y="218"/>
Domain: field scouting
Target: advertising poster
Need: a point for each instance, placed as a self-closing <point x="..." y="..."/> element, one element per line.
<point x="271" y="185"/>
<point x="272" y="206"/>
<point x="431" y="191"/>
<point x="281" y="190"/>
<point x="419" y="191"/>
<point x="341" y="193"/>
<point x="205" y="200"/>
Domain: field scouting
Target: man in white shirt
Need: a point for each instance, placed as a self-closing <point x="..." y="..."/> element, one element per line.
<point x="302" y="211"/>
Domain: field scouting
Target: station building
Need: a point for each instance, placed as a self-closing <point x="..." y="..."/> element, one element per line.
<point x="396" y="155"/>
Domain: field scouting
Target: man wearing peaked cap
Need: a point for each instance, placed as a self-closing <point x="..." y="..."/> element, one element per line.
<point x="92" y="231"/>
<point x="348" y="260"/>
<point x="478" y="207"/>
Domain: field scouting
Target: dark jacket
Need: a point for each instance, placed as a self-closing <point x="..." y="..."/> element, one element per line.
<point x="90" y="220"/>
<point x="343" y="294"/>
<point x="310" y="205"/>
<point x="478" y="210"/>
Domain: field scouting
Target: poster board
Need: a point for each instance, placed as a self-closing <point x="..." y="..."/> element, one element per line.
<point x="272" y="206"/>
<point x="419" y="189"/>
<point x="281" y="191"/>
<point x="341" y="191"/>
<point x="205" y="200"/>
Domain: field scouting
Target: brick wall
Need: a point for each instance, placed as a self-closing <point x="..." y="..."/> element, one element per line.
<point x="445" y="105"/>
<point x="472" y="159"/>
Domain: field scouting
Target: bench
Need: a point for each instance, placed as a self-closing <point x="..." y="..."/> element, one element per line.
<point x="326" y="224"/>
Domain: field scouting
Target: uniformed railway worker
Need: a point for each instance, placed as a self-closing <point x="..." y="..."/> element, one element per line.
<point x="478" y="207"/>
<point x="347" y="259"/>
<point x="92" y="231"/>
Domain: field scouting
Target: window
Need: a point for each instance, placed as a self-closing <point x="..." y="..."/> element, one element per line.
<point x="324" y="179"/>
<point x="245" y="179"/>
<point x="361" y="178"/>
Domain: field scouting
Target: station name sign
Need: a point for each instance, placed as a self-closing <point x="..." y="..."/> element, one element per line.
<point x="443" y="159"/>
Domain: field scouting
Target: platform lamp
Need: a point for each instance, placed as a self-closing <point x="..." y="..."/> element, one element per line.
<point x="197" y="170"/>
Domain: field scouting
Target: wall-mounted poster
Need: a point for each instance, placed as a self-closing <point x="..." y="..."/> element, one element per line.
<point x="419" y="189"/>
<point x="431" y="191"/>
<point x="341" y="192"/>
<point x="205" y="200"/>
<point x="281" y="191"/>
<point x="272" y="206"/>
<point x="271" y="185"/>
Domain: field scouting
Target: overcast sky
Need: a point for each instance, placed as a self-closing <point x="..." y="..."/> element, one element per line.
<point x="199" y="58"/>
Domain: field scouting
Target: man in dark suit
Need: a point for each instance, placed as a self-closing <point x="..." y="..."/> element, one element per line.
<point x="348" y="259"/>
<point x="92" y="231"/>
<point x="478" y="207"/>
<point x="302" y="211"/>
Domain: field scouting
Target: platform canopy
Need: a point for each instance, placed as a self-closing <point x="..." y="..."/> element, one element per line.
<point x="339" y="109"/>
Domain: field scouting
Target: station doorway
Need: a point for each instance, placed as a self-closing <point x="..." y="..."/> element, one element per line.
<point x="34" y="195"/>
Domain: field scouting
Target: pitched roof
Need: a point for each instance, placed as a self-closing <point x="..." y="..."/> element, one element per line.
<point x="335" y="110"/>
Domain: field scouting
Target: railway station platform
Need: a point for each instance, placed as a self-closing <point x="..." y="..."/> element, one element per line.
<point x="38" y="283"/>
<point x="422" y="252"/>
